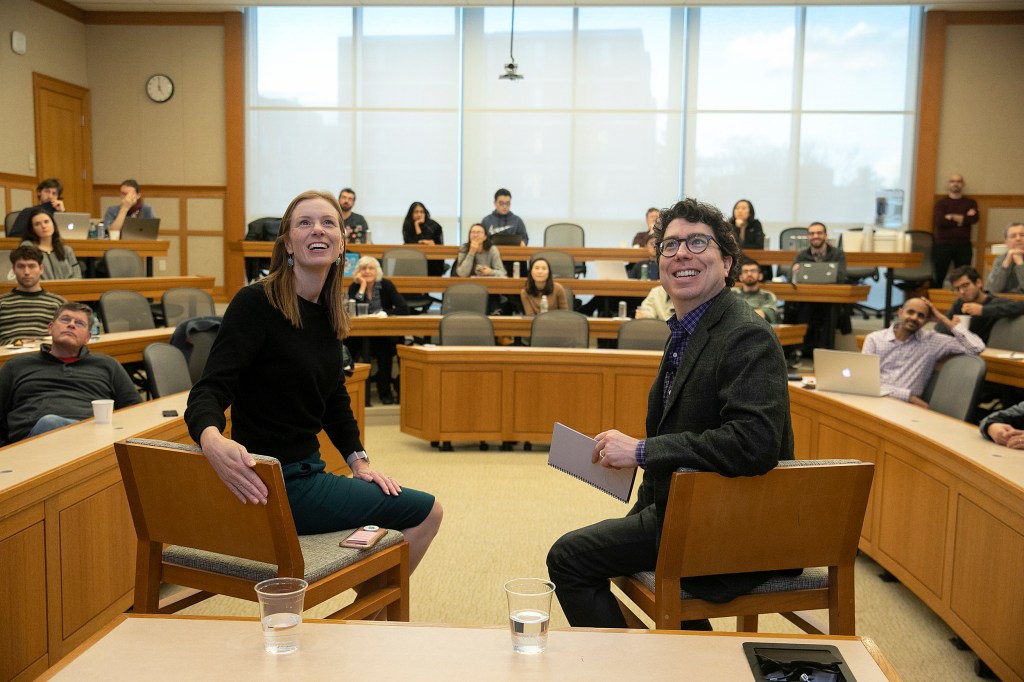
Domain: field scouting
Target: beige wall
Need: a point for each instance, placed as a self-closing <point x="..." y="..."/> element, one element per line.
<point x="56" y="48"/>
<point x="180" y="142"/>
<point x="982" y="126"/>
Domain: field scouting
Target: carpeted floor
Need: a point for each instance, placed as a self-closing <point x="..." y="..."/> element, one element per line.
<point x="503" y="511"/>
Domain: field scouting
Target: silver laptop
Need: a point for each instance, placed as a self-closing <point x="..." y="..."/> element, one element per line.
<point x="72" y="225"/>
<point x="848" y="372"/>
<point x="610" y="269"/>
<point x="140" y="228"/>
<point x="817" y="273"/>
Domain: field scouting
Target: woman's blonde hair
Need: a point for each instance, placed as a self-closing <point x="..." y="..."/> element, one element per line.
<point x="280" y="283"/>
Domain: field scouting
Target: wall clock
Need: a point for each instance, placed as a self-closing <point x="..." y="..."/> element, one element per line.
<point x="159" y="88"/>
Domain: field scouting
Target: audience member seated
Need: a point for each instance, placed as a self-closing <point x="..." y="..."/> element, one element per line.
<point x="49" y="193"/>
<point x="952" y="219"/>
<point x="502" y="220"/>
<point x="419" y="228"/>
<point x="1005" y="427"/>
<point x="763" y="302"/>
<point x="540" y="284"/>
<point x="59" y="260"/>
<point x="369" y="286"/>
<point x="26" y="310"/>
<point x="640" y="238"/>
<point x="56" y="386"/>
<point x="356" y="228"/>
<point x="815" y="315"/>
<point x="908" y="354"/>
<point x="657" y="305"/>
<point x="983" y="308"/>
<point x="131" y="206"/>
<point x="1007" y="275"/>
<point x="636" y="270"/>
<point x="748" y="231"/>
<point x="477" y="257"/>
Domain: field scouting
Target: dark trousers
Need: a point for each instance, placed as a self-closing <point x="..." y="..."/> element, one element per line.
<point x="944" y="254"/>
<point x="381" y="349"/>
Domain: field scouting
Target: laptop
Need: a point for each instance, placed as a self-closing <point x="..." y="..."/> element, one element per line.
<point x="351" y="259"/>
<point x="140" y="228"/>
<point x="817" y="273"/>
<point x="71" y="226"/>
<point x="506" y="239"/>
<point x="610" y="269"/>
<point x="848" y="372"/>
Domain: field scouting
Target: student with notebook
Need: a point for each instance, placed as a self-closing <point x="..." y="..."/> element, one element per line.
<point x="720" y="403"/>
<point x="908" y="355"/>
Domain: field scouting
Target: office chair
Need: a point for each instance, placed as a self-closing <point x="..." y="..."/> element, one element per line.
<point x="563" y="266"/>
<point x="179" y="545"/>
<point x="9" y="220"/>
<point x="762" y="528"/>
<point x="260" y="230"/>
<point x="125" y="311"/>
<point x="1007" y="334"/>
<point x="567" y="234"/>
<point x="560" y="329"/>
<point x="644" y="334"/>
<point x="408" y="262"/>
<point x="181" y="303"/>
<point x="857" y="275"/>
<point x="909" y="280"/>
<point x="124" y="263"/>
<point x="465" y="296"/>
<point x="791" y="239"/>
<point x="166" y="370"/>
<point x="957" y="387"/>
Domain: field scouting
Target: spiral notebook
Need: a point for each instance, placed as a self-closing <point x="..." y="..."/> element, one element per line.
<point x="571" y="453"/>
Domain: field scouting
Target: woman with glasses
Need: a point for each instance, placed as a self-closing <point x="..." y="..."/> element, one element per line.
<point x="277" y="362"/>
<point x="59" y="260"/>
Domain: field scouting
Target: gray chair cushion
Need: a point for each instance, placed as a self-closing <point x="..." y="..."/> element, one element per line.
<point x="810" y="579"/>
<point x="321" y="554"/>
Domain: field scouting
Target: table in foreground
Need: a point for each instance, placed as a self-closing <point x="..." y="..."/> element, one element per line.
<point x="208" y="648"/>
<point x="945" y="515"/>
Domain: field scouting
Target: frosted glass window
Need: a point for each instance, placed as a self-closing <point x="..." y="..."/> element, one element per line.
<point x="409" y="58"/>
<point x="543" y="50"/>
<point x="303" y="56"/>
<point x="855" y="58"/>
<point x="624" y="59"/>
<point x="744" y="156"/>
<point x="405" y="158"/>
<point x="844" y="160"/>
<point x="292" y="151"/>
<point x="746" y="58"/>
<point x="530" y="154"/>
<point x="623" y="164"/>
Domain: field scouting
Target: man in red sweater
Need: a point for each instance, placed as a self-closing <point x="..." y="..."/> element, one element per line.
<point x="951" y="226"/>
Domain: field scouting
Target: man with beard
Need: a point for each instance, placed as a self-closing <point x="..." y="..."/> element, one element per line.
<point x="952" y="218"/>
<point x="984" y="308"/>
<point x="355" y="224"/>
<point x="763" y="302"/>
<point x="815" y="315"/>
<point x="908" y="355"/>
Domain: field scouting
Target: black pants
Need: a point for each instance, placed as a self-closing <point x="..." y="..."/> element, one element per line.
<point x="381" y="349"/>
<point x="944" y="254"/>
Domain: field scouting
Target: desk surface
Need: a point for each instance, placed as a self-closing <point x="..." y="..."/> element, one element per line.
<point x="123" y="346"/>
<point x="207" y="648"/>
<point x="853" y="258"/>
<point x="150" y="287"/>
<point x="95" y="248"/>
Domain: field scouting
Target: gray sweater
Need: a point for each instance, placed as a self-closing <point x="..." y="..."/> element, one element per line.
<point x="1005" y="280"/>
<point x="466" y="266"/>
<point x="37" y="384"/>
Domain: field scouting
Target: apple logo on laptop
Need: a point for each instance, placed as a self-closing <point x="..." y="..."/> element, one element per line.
<point x="846" y="373"/>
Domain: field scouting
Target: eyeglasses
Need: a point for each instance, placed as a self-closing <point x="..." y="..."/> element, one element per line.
<point x="67" y="319"/>
<point x="695" y="243"/>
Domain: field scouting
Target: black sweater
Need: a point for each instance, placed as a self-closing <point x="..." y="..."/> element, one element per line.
<point x="283" y="384"/>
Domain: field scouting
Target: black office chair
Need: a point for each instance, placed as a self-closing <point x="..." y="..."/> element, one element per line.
<point x="125" y="311"/>
<point x="644" y="334"/>
<point x="408" y="262"/>
<point x="260" y="230"/>
<point x="166" y="370"/>
<point x="957" y="387"/>
<point x="563" y="266"/>
<point x="1007" y="334"/>
<point x="857" y="275"/>
<point x="910" y="279"/>
<point x="124" y="263"/>
<point x="567" y="234"/>
<point x="180" y="303"/>
<point x="560" y="329"/>
<point x="791" y="239"/>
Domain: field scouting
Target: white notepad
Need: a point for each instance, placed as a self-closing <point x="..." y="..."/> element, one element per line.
<point x="571" y="453"/>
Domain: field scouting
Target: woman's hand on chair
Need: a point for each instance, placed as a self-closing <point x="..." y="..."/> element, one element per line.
<point x="233" y="465"/>
<point x="361" y="469"/>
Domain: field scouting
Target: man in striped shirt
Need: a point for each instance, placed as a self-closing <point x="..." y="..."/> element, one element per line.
<point x="26" y="310"/>
<point x="908" y="355"/>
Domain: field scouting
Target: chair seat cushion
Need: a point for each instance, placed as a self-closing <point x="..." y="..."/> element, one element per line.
<point x="321" y="554"/>
<point x="810" y="579"/>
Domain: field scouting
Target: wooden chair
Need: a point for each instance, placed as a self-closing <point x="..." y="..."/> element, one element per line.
<point x="217" y="545"/>
<point x="803" y="514"/>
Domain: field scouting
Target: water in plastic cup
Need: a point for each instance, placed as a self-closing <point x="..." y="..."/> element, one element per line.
<point x="281" y="602"/>
<point x="529" y="611"/>
<point x="362" y="309"/>
<point x="103" y="411"/>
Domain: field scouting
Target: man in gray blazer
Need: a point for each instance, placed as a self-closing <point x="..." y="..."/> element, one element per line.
<point x="720" y="403"/>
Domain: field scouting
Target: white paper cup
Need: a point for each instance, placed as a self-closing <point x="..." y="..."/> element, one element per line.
<point x="964" y="322"/>
<point x="103" y="411"/>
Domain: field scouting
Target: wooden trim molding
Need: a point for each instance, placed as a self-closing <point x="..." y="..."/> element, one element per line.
<point x="983" y="18"/>
<point x="929" y="113"/>
<point x="234" y="126"/>
<point x="156" y="18"/>
<point x="65" y="8"/>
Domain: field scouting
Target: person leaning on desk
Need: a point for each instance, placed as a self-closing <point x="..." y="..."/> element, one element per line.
<point x="277" y="362"/>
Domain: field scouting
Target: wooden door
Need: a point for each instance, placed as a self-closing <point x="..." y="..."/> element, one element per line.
<point x="64" y="138"/>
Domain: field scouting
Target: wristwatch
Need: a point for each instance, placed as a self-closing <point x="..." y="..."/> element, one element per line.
<point x="359" y="454"/>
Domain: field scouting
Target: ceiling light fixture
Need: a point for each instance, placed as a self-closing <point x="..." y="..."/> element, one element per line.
<point x="511" y="68"/>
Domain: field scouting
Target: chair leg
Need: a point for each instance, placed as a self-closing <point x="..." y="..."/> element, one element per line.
<point x="148" y="557"/>
<point x="746" y="623"/>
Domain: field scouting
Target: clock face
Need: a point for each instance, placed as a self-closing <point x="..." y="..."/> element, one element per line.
<point x="159" y="88"/>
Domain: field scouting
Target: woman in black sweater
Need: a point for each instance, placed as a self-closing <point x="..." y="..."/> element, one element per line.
<point x="277" y="363"/>
<point x="419" y="228"/>
<point x="748" y="231"/>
